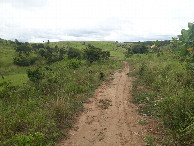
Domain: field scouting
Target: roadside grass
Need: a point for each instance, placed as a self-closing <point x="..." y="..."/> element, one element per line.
<point x="41" y="113"/>
<point x="163" y="89"/>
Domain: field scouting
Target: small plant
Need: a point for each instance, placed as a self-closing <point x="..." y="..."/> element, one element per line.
<point x="105" y="103"/>
<point x="24" y="59"/>
<point x="142" y="122"/>
<point x="73" y="53"/>
<point x="102" y="75"/>
<point x="150" y="140"/>
<point x="73" y="63"/>
<point x="22" y="139"/>
<point x="183" y="47"/>
<point x="35" y="75"/>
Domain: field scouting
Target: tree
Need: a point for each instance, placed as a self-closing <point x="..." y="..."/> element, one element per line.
<point x="23" y="59"/>
<point x="73" y="53"/>
<point x="23" y="48"/>
<point x="139" y="49"/>
<point x="93" y="54"/>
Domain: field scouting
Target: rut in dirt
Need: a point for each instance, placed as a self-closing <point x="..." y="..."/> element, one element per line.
<point x="109" y="119"/>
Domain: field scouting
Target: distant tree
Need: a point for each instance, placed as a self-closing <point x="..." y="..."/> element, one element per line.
<point x="17" y="42"/>
<point x="139" y="49"/>
<point x="35" y="75"/>
<point x="136" y="49"/>
<point x="73" y="53"/>
<point x="23" y="48"/>
<point x="23" y="59"/>
<point x="62" y="52"/>
<point x="93" y="54"/>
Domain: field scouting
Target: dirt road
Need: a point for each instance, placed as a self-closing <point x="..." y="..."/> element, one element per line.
<point x="110" y="119"/>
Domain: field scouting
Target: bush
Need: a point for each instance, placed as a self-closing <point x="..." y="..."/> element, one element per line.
<point x="73" y="53"/>
<point x="35" y="75"/>
<point x="136" y="49"/>
<point x="93" y="54"/>
<point x="24" y="60"/>
<point x="73" y="63"/>
<point x="23" y="48"/>
<point x="139" y="49"/>
<point x="52" y="55"/>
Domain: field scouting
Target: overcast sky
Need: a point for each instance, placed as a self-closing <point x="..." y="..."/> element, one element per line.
<point x="94" y="20"/>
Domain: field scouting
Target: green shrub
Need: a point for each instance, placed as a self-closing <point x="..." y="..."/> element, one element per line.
<point x="93" y="54"/>
<point x="73" y="63"/>
<point x="24" y="59"/>
<point x="136" y="49"/>
<point x="73" y="53"/>
<point x="23" y="48"/>
<point x="35" y="75"/>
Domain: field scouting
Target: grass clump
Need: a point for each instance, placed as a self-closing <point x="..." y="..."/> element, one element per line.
<point x="104" y="103"/>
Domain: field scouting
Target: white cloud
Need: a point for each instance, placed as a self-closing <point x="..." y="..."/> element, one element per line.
<point x="122" y="20"/>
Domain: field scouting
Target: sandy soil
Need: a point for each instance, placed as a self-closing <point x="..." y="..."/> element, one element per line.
<point x="109" y="119"/>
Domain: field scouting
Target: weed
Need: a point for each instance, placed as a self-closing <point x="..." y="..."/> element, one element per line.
<point x="104" y="103"/>
<point x="142" y="122"/>
<point x="149" y="140"/>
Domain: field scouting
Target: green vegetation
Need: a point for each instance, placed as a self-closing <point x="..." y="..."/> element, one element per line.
<point x="149" y="140"/>
<point x="136" y="49"/>
<point x="104" y="103"/>
<point x="184" y="47"/>
<point x="164" y="89"/>
<point x="40" y="109"/>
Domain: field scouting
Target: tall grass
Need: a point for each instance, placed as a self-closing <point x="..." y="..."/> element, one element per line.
<point x="167" y="93"/>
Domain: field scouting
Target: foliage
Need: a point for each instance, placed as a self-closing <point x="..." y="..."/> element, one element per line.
<point x="73" y="53"/>
<point x="24" y="59"/>
<point x="184" y="46"/>
<point x="52" y="54"/>
<point x="93" y="54"/>
<point x="136" y="49"/>
<point x="23" y="47"/>
<point x="35" y="75"/>
<point x="37" y="139"/>
<point x="73" y="63"/>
